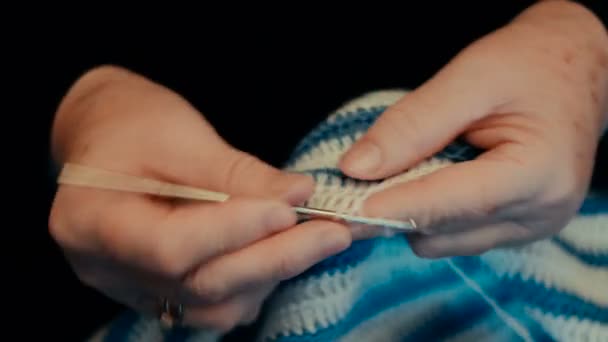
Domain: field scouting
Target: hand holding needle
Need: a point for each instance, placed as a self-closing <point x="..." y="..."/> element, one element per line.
<point x="81" y="175"/>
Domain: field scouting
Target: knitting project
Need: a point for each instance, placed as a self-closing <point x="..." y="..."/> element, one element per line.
<point x="555" y="289"/>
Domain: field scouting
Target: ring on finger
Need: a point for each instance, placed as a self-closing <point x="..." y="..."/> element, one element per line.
<point x="171" y="314"/>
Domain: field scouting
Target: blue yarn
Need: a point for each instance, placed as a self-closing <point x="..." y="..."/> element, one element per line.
<point x="533" y="293"/>
<point x="450" y="322"/>
<point x="594" y="206"/>
<point x="402" y="280"/>
<point x="353" y="256"/>
<point x="549" y="300"/>
<point x="349" y="124"/>
<point x="384" y="296"/>
<point x="345" y="124"/>
<point x="513" y="294"/>
<point x="503" y="295"/>
<point x="121" y="327"/>
<point x="591" y="259"/>
<point x="179" y="334"/>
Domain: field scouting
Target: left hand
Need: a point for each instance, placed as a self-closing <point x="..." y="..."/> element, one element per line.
<point x="534" y="96"/>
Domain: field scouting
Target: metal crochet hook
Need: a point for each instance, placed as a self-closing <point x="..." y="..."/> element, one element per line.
<point x="409" y="225"/>
<point x="80" y="175"/>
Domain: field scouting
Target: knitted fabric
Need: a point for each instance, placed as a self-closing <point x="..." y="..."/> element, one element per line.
<point x="379" y="290"/>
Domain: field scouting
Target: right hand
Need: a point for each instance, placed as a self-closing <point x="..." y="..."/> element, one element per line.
<point x="220" y="260"/>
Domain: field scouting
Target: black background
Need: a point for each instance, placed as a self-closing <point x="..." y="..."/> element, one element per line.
<point x="242" y="74"/>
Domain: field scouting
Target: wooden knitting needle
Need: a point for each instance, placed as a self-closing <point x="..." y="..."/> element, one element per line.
<point x="80" y="175"/>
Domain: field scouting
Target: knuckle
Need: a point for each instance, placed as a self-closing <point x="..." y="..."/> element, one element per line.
<point x="209" y="289"/>
<point x="480" y="249"/>
<point x="110" y="233"/>
<point x="401" y="124"/>
<point x="67" y="226"/>
<point x="55" y="224"/>
<point x="168" y="261"/>
<point x="241" y="163"/>
<point x="286" y="267"/>
<point x="426" y="250"/>
<point x="487" y="204"/>
<point x="431" y="218"/>
<point x="251" y="315"/>
<point x="221" y="241"/>
<point x="169" y="265"/>
<point x="223" y="321"/>
<point x="87" y="278"/>
<point x="560" y="196"/>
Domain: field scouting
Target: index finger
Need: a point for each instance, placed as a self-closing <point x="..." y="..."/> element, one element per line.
<point x="172" y="239"/>
<point x="454" y="197"/>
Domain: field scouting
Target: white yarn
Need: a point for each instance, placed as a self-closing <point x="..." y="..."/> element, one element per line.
<point x="571" y="329"/>
<point x="398" y="321"/>
<point x="588" y="233"/>
<point x="550" y="266"/>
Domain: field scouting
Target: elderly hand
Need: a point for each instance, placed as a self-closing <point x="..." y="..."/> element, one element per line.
<point x="534" y="96"/>
<point x="220" y="260"/>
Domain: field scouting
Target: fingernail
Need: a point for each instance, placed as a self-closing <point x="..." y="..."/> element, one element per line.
<point x="363" y="231"/>
<point x="281" y="217"/>
<point x="364" y="157"/>
<point x="335" y="242"/>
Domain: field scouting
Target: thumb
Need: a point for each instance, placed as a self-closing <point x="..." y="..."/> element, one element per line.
<point x="473" y="198"/>
<point x="240" y="173"/>
<point x="419" y="124"/>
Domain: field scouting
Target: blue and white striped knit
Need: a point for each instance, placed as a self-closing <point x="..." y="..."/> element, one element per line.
<point x="378" y="290"/>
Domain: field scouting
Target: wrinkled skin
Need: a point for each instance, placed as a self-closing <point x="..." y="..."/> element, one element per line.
<point x="220" y="260"/>
<point x="534" y="96"/>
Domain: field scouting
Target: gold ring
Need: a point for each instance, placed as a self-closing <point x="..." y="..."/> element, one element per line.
<point x="171" y="314"/>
